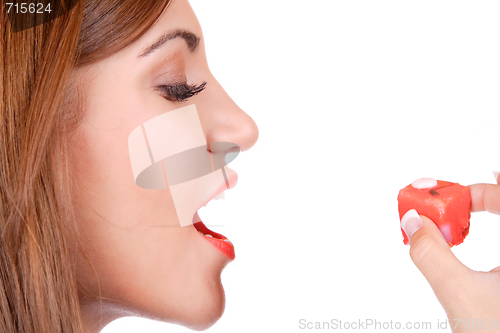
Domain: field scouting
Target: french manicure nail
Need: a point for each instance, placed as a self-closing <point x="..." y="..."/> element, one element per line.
<point x="411" y="222"/>
<point x="495" y="174"/>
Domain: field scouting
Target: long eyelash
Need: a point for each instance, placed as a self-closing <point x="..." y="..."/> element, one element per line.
<point x="181" y="92"/>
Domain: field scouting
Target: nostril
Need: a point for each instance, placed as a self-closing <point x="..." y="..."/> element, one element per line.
<point x="219" y="146"/>
<point x="223" y="153"/>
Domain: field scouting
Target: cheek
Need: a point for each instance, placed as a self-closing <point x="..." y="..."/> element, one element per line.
<point x="159" y="272"/>
<point x="114" y="216"/>
<point x="104" y="186"/>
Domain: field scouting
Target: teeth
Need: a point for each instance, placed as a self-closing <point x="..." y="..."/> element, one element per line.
<point x="220" y="196"/>
<point x="210" y="236"/>
<point x="217" y="197"/>
<point x="207" y="235"/>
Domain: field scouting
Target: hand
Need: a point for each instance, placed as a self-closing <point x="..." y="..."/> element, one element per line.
<point x="470" y="299"/>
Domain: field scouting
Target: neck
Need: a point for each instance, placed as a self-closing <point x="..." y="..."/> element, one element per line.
<point x="97" y="314"/>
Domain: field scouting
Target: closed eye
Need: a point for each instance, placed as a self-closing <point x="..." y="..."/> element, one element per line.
<point x="180" y="92"/>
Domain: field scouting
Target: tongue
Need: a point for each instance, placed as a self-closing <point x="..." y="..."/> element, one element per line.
<point x="203" y="229"/>
<point x="198" y="224"/>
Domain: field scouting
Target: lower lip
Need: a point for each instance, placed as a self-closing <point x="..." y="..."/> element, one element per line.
<point x="226" y="248"/>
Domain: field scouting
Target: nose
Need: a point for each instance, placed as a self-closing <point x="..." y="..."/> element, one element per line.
<point x="224" y="121"/>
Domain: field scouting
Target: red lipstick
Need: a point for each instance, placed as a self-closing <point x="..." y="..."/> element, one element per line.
<point x="219" y="241"/>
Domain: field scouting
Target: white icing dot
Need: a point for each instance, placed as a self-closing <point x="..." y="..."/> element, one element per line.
<point x="422" y="183"/>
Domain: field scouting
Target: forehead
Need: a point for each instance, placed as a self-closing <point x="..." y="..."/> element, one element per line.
<point x="178" y="15"/>
<point x="126" y="65"/>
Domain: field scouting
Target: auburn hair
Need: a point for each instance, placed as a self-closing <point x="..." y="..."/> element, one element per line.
<point x="38" y="289"/>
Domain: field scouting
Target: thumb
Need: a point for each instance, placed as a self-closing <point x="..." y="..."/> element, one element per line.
<point x="432" y="255"/>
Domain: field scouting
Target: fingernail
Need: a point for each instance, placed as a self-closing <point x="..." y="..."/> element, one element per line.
<point x="411" y="222"/>
<point x="495" y="174"/>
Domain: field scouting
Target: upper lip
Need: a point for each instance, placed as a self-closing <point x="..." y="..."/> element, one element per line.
<point x="232" y="179"/>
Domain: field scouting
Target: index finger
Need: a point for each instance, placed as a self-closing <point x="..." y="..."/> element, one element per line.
<point x="485" y="197"/>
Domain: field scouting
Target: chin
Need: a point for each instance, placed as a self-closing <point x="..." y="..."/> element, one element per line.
<point x="207" y="318"/>
<point x="204" y="309"/>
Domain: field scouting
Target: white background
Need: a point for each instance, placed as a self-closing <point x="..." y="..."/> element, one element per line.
<point x="354" y="100"/>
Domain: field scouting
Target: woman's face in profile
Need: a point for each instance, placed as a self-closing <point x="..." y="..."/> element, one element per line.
<point x="167" y="273"/>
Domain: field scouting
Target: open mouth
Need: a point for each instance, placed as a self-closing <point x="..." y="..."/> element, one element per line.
<point x="221" y="242"/>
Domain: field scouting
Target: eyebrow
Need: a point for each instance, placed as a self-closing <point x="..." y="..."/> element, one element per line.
<point x="191" y="39"/>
